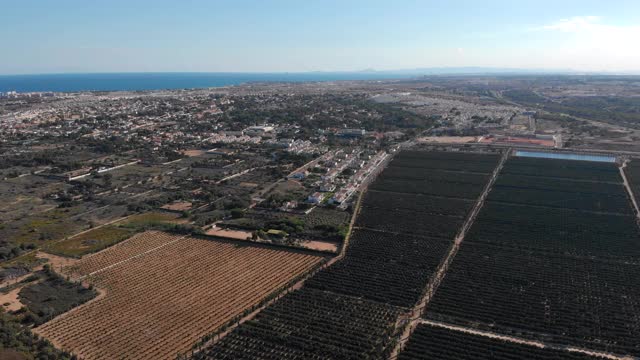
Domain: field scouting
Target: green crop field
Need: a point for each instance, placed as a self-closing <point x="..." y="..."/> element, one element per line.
<point x="91" y="241"/>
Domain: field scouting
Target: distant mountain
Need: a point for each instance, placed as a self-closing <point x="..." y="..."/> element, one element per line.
<point x="469" y="71"/>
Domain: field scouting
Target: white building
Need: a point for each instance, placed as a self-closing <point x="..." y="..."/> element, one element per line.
<point x="315" y="198"/>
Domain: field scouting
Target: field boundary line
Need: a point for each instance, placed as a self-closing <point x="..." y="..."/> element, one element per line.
<point x="44" y="248"/>
<point x="627" y="185"/>
<point x="557" y="178"/>
<point x="426" y="194"/>
<point x="86" y="231"/>
<point x="417" y="311"/>
<point x="518" y="340"/>
<point x="559" y="208"/>
<point x="462" y="217"/>
<point x="131" y="258"/>
<point x="436" y="169"/>
<point x="435" y="237"/>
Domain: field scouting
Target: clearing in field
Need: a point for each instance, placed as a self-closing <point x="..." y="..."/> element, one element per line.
<point x="164" y="292"/>
<point x="151" y="218"/>
<point x="90" y="241"/>
<point x="229" y="234"/>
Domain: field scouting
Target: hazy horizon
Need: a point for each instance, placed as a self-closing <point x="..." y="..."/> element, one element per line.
<point x="427" y="71"/>
<point x="71" y="36"/>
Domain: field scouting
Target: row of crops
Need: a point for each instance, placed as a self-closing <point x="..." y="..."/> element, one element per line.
<point x="433" y="188"/>
<point x="405" y="221"/>
<point x="349" y="310"/>
<point x="163" y="292"/>
<point x="554" y="255"/>
<point x="446" y="161"/>
<point x="397" y="248"/>
<point x="557" y="231"/>
<point x="310" y="324"/>
<point x="430" y="342"/>
<point x="564" y="169"/>
<point x="389" y="268"/>
<point x="416" y="202"/>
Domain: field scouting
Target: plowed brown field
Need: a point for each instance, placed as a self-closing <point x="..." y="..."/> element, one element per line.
<point x="164" y="292"/>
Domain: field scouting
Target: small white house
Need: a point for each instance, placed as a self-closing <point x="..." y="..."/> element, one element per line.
<point x="315" y="198"/>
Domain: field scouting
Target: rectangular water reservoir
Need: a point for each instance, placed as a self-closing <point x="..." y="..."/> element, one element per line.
<point x="566" y="156"/>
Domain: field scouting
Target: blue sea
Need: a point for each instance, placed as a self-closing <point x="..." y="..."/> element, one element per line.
<point x="157" y="81"/>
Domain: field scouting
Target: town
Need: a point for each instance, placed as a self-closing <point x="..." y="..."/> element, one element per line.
<point x="199" y="186"/>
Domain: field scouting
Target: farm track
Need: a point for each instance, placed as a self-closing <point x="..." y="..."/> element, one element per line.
<point x="627" y="185"/>
<point x="522" y="341"/>
<point x="412" y="319"/>
<point x="131" y="258"/>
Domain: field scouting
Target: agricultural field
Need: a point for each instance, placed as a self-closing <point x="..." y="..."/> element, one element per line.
<point x="50" y="225"/>
<point x="150" y="219"/>
<point x="383" y="267"/>
<point x="565" y="184"/>
<point x="554" y="260"/>
<point x="557" y="231"/>
<point x="404" y="221"/>
<point x="94" y="240"/>
<point x="349" y="310"/>
<point x="311" y="324"/>
<point x="415" y="202"/>
<point x="563" y="169"/>
<point x="396" y="248"/>
<point x="454" y="175"/>
<point x="463" y="162"/>
<point x="43" y="228"/>
<point x="411" y="173"/>
<point x="453" y="188"/>
<point x="562" y="199"/>
<point x="89" y="242"/>
<point x="559" y="184"/>
<point x="162" y="293"/>
<point x="431" y="342"/>
<point x="561" y="299"/>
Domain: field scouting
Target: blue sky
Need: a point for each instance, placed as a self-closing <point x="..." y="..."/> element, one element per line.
<point x="314" y="35"/>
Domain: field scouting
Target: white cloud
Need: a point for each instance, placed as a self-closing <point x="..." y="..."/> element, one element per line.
<point x="589" y="43"/>
<point x="576" y="23"/>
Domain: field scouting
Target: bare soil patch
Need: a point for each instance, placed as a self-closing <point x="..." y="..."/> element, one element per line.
<point x="11" y="301"/>
<point x="56" y="262"/>
<point x="231" y="234"/>
<point x="192" y="153"/>
<point x="178" y="206"/>
<point x="319" y="245"/>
